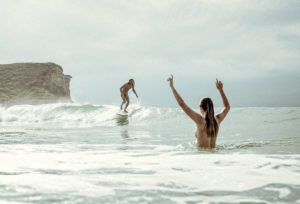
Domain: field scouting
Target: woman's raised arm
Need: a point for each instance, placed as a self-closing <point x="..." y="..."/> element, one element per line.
<point x="226" y="104"/>
<point x="192" y="114"/>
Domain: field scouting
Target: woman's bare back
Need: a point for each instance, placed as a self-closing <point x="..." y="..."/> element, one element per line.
<point x="203" y="140"/>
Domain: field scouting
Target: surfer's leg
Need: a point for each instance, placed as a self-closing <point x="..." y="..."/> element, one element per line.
<point x="122" y="105"/>
<point x="127" y="100"/>
<point x="124" y="101"/>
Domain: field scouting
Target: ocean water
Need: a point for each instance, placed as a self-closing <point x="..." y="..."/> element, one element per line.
<point x="82" y="153"/>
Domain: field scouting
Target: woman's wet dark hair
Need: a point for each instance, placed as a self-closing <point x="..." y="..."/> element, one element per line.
<point x="211" y="123"/>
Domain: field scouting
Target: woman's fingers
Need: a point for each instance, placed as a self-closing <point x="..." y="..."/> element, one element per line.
<point x="219" y="84"/>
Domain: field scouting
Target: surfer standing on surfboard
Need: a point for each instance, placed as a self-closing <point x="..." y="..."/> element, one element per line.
<point x="124" y="93"/>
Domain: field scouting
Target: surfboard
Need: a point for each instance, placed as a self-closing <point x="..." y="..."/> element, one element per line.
<point x="122" y="113"/>
<point x="122" y="118"/>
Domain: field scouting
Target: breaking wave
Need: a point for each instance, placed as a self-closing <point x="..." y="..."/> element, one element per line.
<point x="81" y="115"/>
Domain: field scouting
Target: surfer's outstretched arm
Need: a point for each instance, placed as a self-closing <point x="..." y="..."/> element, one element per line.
<point x="192" y="114"/>
<point x="134" y="91"/>
<point x="226" y="104"/>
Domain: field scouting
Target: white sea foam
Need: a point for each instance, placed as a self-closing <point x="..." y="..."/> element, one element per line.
<point x="83" y="153"/>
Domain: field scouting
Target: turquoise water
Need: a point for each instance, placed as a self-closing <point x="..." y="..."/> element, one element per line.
<point x="75" y="153"/>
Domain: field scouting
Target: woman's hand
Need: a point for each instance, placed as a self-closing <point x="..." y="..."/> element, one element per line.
<point x="170" y="79"/>
<point x="219" y="85"/>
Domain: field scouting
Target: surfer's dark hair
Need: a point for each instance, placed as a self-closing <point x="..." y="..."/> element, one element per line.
<point x="211" y="123"/>
<point x="131" y="80"/>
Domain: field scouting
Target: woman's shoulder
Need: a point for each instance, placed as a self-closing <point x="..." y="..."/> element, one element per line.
<point x="201" y="122"/>
<point x="217" y="120"/>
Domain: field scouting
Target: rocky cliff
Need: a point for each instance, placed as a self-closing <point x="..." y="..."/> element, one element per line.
<point x="33" y="83"/>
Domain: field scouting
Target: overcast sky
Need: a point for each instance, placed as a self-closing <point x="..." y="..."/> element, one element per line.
<point x="253" y="46"/>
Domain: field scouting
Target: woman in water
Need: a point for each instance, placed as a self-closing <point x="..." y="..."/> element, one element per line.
<point x="207" y="123"/>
